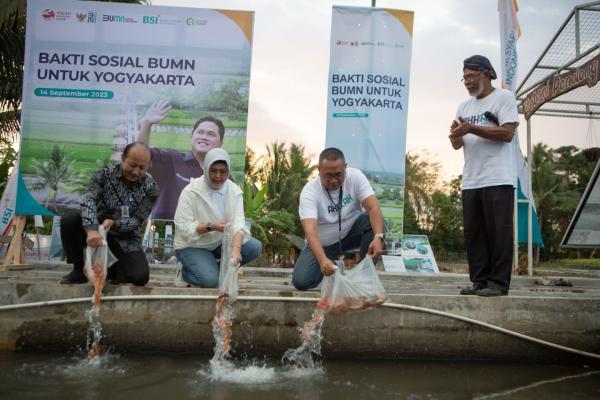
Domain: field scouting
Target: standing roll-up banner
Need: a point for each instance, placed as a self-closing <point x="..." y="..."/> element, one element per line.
<point x="367" y="108"/>
<point x="94" y="72"/>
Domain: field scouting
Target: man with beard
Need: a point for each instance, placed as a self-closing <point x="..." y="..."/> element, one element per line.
<point x="485" y="127"/>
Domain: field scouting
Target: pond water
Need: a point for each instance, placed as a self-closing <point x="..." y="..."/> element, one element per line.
<point x="168" y="376"/>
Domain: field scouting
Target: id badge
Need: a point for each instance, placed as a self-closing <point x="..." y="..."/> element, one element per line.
<point x="124" y="212"/>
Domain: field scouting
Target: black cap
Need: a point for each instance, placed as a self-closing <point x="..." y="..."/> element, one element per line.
<point x="479" y="63"/>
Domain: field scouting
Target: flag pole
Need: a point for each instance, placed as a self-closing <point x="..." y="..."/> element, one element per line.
<point x="529" y="203"/>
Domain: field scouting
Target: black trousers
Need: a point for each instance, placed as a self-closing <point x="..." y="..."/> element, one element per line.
<point x="131" y="267"/>
<point x="488" y="228"/>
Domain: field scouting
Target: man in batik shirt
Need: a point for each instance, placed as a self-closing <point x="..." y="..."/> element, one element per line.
<point x="120" y="198"/>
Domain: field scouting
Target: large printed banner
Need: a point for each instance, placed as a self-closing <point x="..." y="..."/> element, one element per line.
<point x="96" y="72"/>
<point x="368" y="99"/>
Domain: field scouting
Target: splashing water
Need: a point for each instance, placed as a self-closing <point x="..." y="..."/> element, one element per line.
<point x="98" y="279"/>
<point x="221" y="325"/>
<point x="310" y="335"/>
<point x="95" y="270"/>
<point x="94" y="336"/>
<point x="254" y="372"/>
<point x="228" y="290"/>
<point x="227" y="371"/>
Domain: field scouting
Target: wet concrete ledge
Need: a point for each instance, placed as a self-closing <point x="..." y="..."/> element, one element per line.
<point x="268" y="322"/>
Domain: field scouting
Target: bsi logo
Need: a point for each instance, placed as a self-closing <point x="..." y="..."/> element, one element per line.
<point x="148" y="19"/>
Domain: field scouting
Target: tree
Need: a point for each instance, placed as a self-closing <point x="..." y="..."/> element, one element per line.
<point x="53" y="174"/>
<point x="280" y="174"/>
<point x="421" y="179"/>
<point x="12" y="49"/>
<point x="8" y="156"/>
<point x="559" y="177"/>
<point x="231" y="98"/>
<point x="445" y="219"/>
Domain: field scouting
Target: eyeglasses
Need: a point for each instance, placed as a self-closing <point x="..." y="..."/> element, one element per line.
<point x="338" y="176"/>
<point x="470" y="77"/>
<point x="218" y="172"/>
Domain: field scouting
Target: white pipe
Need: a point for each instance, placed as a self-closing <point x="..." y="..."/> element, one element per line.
<point x="305" y="300"/>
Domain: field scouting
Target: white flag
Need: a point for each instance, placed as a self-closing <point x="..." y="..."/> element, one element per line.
<point x="510" y="32"/>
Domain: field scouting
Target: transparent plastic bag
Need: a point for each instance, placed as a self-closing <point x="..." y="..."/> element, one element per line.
<point x="356" y="289"/>
<point x="229" y="272"/>
<point x="227" y="295"/>
<point x="96" y="260"/>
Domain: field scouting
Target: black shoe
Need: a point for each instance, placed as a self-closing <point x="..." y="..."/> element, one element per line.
<point x="491" y="292"/>
<point x="75" y="276"/>
<point x="470" y="291"/>
<point x="111" y="275"/>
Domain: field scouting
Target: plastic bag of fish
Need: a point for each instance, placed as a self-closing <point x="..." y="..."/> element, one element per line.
<point x="96" y="260"/>
<point x="352" y="290"/>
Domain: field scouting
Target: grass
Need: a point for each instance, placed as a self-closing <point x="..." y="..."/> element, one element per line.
<point x="67" y="133"/>
<point x="189" y="118"/>
<point x="390" y="203"/>
<point x="569" y="263"/>
<point x="85" y="154"/>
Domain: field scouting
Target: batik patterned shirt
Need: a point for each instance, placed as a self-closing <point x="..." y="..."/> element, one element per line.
<point x="110" y="196"/>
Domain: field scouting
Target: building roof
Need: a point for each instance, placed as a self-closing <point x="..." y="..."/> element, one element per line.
<point x="576" y="42"/>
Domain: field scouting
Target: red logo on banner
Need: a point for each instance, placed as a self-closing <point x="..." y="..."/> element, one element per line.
<point x="48" y="14"/>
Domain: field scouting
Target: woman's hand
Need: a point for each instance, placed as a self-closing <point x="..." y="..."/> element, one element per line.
<point x="219" y="225"/>
<point x="236" y="256"/>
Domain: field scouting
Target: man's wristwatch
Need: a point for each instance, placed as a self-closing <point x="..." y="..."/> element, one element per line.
<point x="209" y="227"/>
<point x="380" y="236"/>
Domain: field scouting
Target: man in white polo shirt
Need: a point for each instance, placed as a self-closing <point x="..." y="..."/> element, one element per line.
<point x="338" y="211"/>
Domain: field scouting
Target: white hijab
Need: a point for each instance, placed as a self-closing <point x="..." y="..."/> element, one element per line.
<point x="213" y="156"/>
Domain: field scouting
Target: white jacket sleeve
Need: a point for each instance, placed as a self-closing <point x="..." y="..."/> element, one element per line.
<point x="184" y="216"/>
<point x="238" y="223"/>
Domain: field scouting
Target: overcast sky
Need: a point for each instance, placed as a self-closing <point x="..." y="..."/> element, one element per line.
<point x="290" y="63"/>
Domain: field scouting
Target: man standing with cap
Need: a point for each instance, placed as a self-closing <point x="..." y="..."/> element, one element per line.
<point x="484" y="128"/>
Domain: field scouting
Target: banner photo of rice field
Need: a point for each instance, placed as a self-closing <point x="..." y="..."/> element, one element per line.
<point x="367" y="108"/>
<point x="97" y="73"/>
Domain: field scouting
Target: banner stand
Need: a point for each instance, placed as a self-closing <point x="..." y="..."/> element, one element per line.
<point x="15" y="255"/>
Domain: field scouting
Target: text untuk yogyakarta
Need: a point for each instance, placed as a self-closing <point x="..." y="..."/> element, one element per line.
<point x="367" y="90"/>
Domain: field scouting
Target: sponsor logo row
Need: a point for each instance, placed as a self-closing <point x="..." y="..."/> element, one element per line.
<point x="93" y="17"/>
<point x="356" y="43"/>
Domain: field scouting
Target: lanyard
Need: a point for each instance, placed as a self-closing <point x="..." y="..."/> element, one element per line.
<point x="338" y="207"/>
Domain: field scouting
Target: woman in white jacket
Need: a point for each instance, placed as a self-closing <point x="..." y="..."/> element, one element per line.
<point x="207" y="205"/>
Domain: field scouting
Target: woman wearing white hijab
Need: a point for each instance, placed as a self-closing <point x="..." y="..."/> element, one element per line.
<point x="206" y="206"/>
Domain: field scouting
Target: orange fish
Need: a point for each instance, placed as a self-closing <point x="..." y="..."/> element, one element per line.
<point x="95" y="351"/>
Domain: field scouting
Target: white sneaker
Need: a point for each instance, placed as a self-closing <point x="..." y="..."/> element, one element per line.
<point x="179" y="282"/>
